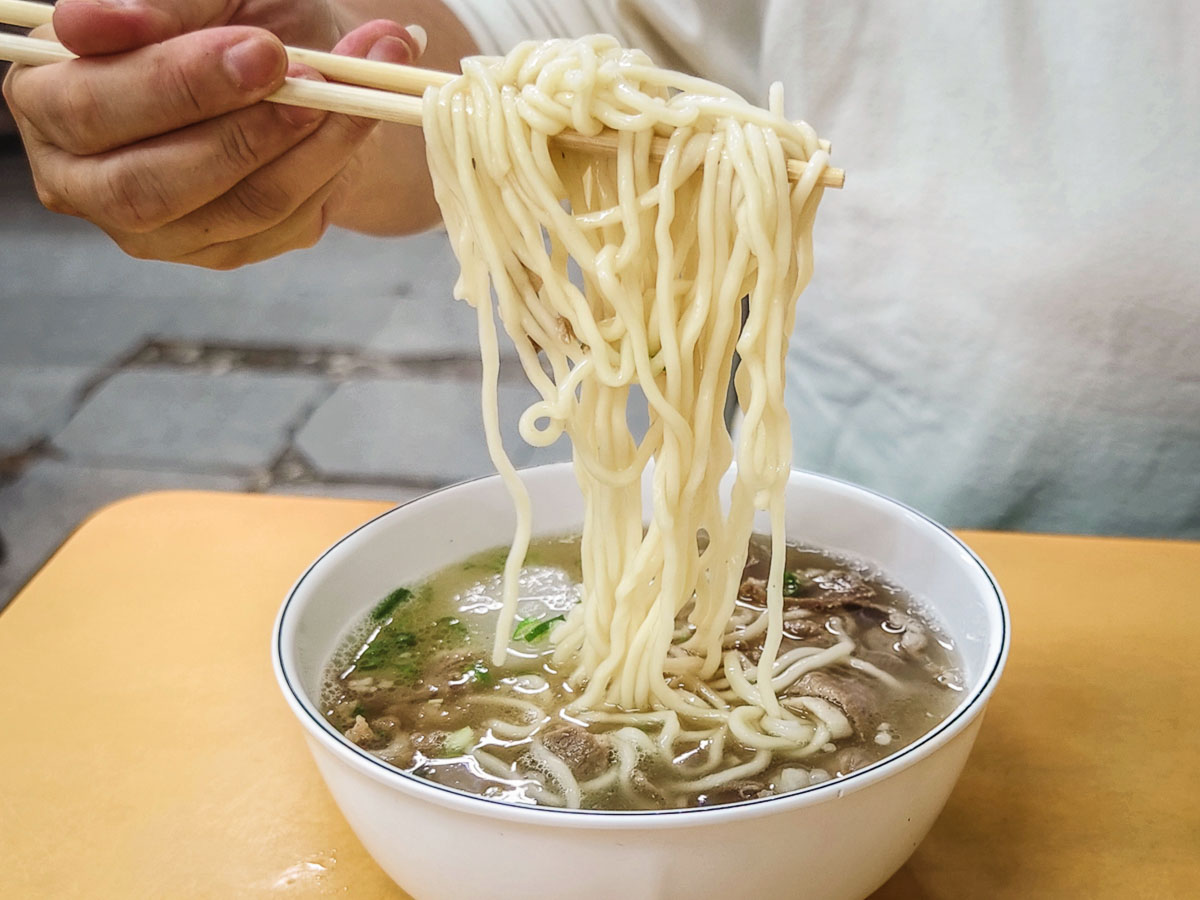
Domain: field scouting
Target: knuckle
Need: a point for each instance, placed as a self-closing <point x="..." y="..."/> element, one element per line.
<point x="263" y="199"/>
<point x="182" y="88"/>
<point x="52" y="198"/>
<point x="75" y="118"/>
<point x="310" y="233"/>
<point x="239" y="146"/>
<point x="136" y="199"/>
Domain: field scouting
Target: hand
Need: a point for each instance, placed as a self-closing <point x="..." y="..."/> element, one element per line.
<point x="157" y="134"/>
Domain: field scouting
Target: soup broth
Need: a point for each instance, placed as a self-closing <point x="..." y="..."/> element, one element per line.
<point x="413" y="685"/>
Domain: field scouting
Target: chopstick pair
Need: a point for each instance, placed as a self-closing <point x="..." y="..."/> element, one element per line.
<point x="386" y="91"/>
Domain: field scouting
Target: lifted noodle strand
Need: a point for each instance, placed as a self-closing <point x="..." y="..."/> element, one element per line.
<point x="610" y="272"/>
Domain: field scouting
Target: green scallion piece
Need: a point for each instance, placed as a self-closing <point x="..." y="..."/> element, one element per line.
<point x="532" y="629"/>
<point x="388" y="604"/>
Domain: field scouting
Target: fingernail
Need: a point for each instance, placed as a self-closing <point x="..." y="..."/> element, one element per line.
<point x="254" y="63"/>
<point x="390" y="49"/>
<point x="418" y="34"/>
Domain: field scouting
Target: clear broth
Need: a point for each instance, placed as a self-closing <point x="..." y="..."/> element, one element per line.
<point x="412" y="683"/>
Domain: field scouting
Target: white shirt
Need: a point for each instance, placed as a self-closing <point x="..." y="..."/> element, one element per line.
<point x="1004" y="325"/>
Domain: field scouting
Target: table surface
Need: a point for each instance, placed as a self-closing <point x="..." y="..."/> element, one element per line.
<point x="145" y="750"/>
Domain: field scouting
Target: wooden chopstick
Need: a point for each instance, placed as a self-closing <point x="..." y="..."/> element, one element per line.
<point x="25" y="15"/>
<point x="390" y="77"/>
<point x="377" y="90"/>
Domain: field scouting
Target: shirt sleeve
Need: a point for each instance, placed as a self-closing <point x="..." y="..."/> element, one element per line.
<point x="715" y="39"/>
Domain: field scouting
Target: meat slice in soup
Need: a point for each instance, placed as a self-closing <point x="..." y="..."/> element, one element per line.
<point x="854" y="696"/>
<point x="585" y="754"/>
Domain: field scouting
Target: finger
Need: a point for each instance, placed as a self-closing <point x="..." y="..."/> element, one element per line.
<point x="271" y="194"/>
<point x="89" y="106"/>
<point x="274" y="193"/>
<point x="384" y="41"/>
<point x="259" y="201"/>
<point x="96" y="27"/>
<point x="148" y="185"/>
<point x="303" y="228"/>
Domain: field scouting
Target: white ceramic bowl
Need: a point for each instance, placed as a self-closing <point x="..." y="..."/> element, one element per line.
<point x="840" y="839"/>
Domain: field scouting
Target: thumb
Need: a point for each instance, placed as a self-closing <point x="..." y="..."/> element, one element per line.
<point x="98" y="27"/>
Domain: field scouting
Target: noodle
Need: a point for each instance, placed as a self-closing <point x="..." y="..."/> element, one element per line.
<point x="614" y="271"/>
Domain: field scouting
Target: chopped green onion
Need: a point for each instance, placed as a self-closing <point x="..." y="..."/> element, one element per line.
<point x="480" y="673"/>
<point x="388" y="604"/>
<point x="794" y="584"/>
<point x="389" y="647"/>
<point x="523" y="625"/>
<point x="458" y="742"/>
<point x="532" y="629"/>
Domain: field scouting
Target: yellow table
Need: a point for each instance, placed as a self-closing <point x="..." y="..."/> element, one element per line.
<point x="146" y="752"/>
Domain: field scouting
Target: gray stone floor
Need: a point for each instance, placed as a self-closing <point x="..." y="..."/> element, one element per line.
<point x="346" y="370"/>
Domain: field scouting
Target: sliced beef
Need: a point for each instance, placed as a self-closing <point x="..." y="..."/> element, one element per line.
<point x="837" y="590"/>
<point x="385" y="726"/>
<point x="849" y="759"/>
<point x="399" y="751"/>
<point x="398" y="701"/>
<point x="879" y="642"/>
<point x="808" y="629"/>
<point x="342" y="713"/>
<point x="835" y="603"/>
<point x="736" y="791"/>
<point x="843" y="582"/>
<point x="753" y="590"/>
<point x="860" y="607"/>
<point x="887" y="660"/>
<point x="913" y="636"/>
<point x="429" y="743"/>
<point x="445" y="668"/>
<point x="897" y="633"/>
<point x="585" y="754"/>
<point x="852" y="696"/>
<point x="360" y="733"/>
<point x="643" y="786"/>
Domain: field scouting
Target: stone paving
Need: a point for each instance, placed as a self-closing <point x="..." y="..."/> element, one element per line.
<point x="346" y="370"/>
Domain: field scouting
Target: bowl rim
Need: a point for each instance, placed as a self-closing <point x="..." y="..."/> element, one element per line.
<point x="966" y="711"/>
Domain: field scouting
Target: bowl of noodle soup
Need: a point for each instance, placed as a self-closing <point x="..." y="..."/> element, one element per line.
<point x="839" y="838"/>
